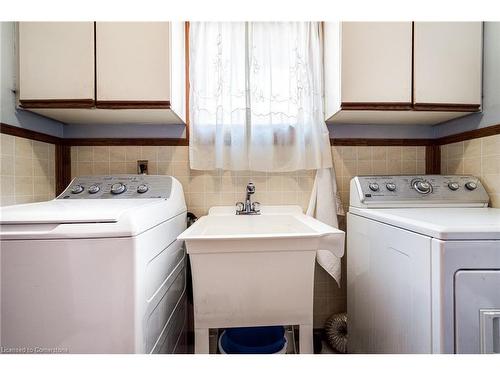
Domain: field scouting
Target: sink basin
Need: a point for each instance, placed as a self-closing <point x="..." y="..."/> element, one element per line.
<point x="241" y="226"/>
<point x="255" y="270"/>
<point x="275" y="229"/>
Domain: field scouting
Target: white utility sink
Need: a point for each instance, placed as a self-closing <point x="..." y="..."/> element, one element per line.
<point x="255" y="270"/>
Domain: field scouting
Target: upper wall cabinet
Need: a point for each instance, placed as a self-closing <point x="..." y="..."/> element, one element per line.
<point x="401" y="72"/>
<point x="133" y="60"/>
<point x="140" y="71"/>
<point x="56" y="64"/>
<point x="447" y="65"/>
<point x="376" y="64"/>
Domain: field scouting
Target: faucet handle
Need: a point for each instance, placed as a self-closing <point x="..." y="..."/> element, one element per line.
<point x="240" y="207"/>
<point x="250" y="188"/>
<point x="256" y="206"/>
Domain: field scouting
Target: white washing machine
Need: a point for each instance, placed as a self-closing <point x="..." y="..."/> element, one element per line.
<point x="96" y="270"/>
<point x="423" y="266"/>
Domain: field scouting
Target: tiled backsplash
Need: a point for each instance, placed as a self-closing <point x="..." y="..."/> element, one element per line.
<point x="27" y="170"/>
<point x="202" y="189"/>
<point x="205" y="189"/>
<point x="480" y="157"/>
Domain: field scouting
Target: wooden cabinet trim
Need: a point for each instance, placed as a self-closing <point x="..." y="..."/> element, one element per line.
<point x="432" y="107"/>
<point x="62" y="167"/>
<point x="433" y="159"/>
<point x="57" y="103"/>
<point x="17" y="131"/>
<point x="133" y="104"/>
<point x="471" y="134"/>
<point x="447" y="107"/>
<point x="376" y="106"/>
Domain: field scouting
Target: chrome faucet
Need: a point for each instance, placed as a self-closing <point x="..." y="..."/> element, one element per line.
<point x="248" y="208"/>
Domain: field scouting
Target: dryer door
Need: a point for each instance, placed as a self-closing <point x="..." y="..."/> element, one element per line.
<point x="477" y="311"/>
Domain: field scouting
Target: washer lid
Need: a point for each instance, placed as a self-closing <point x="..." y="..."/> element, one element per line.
<point x="60" y="211"/>
<point x="440" y="223"/>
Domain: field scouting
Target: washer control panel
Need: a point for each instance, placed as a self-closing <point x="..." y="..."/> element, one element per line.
<point x="118" y="187"/>
<point x="417" y="189"/>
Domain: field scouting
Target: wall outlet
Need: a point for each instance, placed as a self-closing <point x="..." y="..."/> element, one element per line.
<point x="142" y="167"/>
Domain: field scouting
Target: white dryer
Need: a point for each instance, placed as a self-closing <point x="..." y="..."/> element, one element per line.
<point x="99" y="269"/>
<point x="423" y="266"/>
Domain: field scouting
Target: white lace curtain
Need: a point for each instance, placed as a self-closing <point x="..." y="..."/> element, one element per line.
<point x="256" y="97"/>
<point x="256" y="104"/>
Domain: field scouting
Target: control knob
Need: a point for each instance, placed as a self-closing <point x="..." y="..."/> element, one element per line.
<point x="453" y="186"/>
<point x="118" y="188"/>
<point x="471" y="185"/>
<point x="94" y="189"/>
<point x="373" y="186"/>
<point x="77" y="189"/>
<point x="391" y="186"/>
<point x="422" y="186"/>
<point x="141" y="189"/>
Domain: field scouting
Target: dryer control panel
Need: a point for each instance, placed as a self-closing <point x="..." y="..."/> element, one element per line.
<point x="419" y="190"/>
<point x="118" y="187"/>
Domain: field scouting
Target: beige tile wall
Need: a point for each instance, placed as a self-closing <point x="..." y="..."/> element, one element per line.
<point x="202" y="189"/>
<point x="27" y="170"/>
<point x="205" y="189"/>
<point x="351" y="161"/>
<point x="479" y="157"/>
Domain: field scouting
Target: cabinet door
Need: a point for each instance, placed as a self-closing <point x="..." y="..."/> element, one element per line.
<point x="447" y="65"/>
<point x="56" y="64"/>
<point x="133" y="64"/>
<point x="376" y="64"/>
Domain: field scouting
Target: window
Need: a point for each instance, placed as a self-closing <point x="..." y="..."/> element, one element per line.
<point x="256" y="97"/>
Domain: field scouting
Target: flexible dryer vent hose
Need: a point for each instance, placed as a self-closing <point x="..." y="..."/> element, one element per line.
<point x="336" y="332"/>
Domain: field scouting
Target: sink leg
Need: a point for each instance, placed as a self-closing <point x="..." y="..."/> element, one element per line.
<point x="201" y="341"/>
<point x="306" y="339"/>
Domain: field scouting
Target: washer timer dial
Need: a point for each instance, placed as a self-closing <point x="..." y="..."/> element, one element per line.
<point x="118" y="188"/>
<point x="422" y="186"/>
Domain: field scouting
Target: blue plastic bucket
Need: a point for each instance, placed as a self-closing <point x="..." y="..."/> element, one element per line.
<point x="253" y="340"/>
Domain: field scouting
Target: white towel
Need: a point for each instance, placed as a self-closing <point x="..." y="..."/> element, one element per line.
<point x="325" y="205"/>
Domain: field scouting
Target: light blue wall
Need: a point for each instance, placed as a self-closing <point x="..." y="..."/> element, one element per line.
<point x="380" y="131"/>
<point x="491" y="89"/>
<point x="9" y="114"/>
<point x="123" y="131"/>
